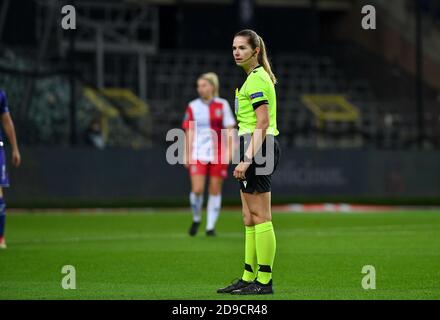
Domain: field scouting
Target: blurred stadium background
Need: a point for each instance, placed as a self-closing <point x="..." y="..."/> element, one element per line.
<point x="359" y="110"/>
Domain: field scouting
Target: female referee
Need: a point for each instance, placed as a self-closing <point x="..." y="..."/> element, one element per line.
<point x="8" y="126"/>
<point x="204" y="154"/>
<point x="259" y="153"/>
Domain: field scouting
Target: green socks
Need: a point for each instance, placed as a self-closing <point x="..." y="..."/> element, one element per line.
<point x="260" y="246"/>
<point x="250" y="255"/>
<point x="266" y="245"/>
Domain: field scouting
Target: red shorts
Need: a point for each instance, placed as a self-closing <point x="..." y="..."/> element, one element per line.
<point x="211" y="169"/>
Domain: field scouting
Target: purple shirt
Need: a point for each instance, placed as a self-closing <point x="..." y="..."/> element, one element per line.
<point x="3" y="102"/>
<point x="3" y="107"/>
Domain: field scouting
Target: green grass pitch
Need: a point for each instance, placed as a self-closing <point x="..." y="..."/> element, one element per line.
<point x="148" y="255"/>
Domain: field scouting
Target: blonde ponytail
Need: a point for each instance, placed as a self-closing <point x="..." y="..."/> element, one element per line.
<point x="264" y="60"/>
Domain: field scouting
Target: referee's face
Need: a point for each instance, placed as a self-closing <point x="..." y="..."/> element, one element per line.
<point x="242" y="50"/>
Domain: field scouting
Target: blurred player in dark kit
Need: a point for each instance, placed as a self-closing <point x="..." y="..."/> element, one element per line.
<point x="8" y="127"/>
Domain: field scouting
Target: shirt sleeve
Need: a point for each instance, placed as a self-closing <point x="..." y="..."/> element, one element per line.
<point x="188" y="117"/>
<point x="257" y="91"/>
<point x="228" y="117"/>
<point x="3" y="102"/>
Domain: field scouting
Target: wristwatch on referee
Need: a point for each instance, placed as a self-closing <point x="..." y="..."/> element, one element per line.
<point x="247" y="159"/>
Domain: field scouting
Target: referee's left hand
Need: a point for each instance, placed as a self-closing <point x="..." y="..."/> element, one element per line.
<point x="240" y="170"/>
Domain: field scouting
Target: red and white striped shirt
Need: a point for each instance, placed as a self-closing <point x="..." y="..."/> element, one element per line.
<point x="206" y="119"/>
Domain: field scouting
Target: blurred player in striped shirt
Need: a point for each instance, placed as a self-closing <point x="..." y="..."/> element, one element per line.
<point x="207" y="151"/>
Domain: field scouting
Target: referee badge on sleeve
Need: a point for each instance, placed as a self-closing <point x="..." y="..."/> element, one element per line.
<point x="256" y="95"/>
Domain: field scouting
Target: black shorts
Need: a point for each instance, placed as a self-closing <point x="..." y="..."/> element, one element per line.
<point x="264" y="164"/>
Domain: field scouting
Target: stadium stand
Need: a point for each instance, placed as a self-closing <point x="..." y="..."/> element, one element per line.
<point x="381" y="92"/>
<point x="172" y="84"/>
<point x="44" y="119"/>
<point x="384" y="122"/>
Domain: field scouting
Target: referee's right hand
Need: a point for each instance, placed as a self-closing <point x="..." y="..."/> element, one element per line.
<point x="240" y="170"/>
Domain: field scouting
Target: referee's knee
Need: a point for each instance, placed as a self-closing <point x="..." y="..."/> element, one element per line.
<point x="255" y="213"/>
<point x="260" y="217"/>
<point x="247" y="217"/>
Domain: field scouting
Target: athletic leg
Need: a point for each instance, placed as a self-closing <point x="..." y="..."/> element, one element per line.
<point x="196" y="196"/>
<point x="214" y="203"/>
<point x="259" y="206"/>
<point x="250" y="253"/>
<point x="196" y="201"/>
<point x="2" y="220"/>
<point x="250" y="257"/>
<point x="265" y="242"/>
